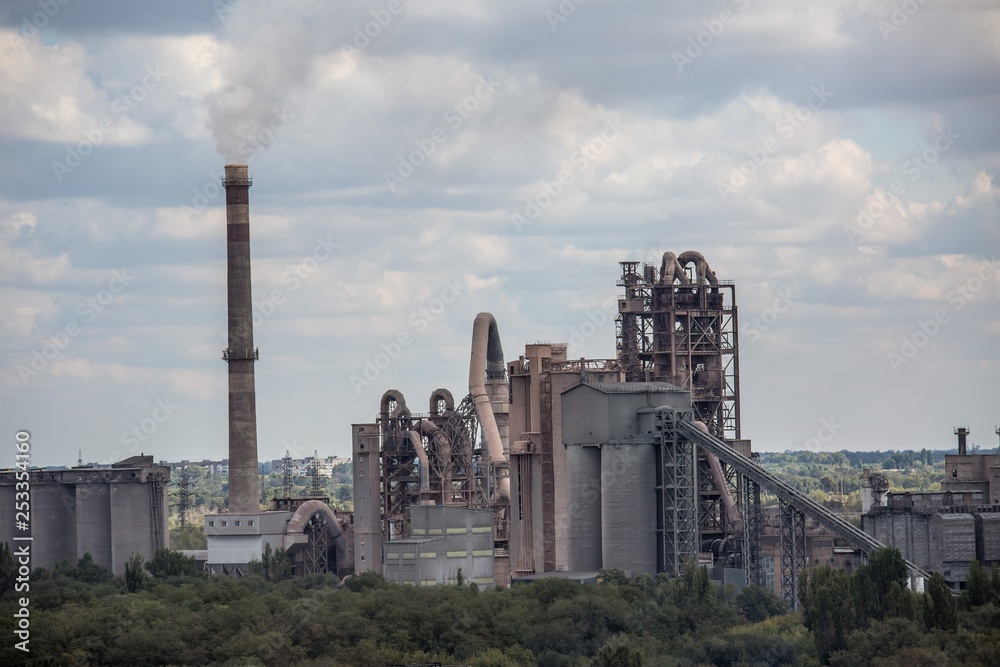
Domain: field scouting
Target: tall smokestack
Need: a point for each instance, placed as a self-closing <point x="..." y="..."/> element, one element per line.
<point x="241" y="354"/>
<point x="962" y="432"/>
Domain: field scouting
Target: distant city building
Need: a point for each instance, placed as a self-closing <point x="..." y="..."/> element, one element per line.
<point x="304" y="467"/>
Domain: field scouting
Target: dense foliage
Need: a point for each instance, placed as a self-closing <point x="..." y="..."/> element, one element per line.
<point x="81" y="615"/>
<point x="834" y="478"/>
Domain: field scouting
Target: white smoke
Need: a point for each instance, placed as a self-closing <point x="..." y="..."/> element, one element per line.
<point x="271" y="57"/>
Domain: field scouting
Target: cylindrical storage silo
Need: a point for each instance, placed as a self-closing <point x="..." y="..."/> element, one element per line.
<point x="628" y="507"/>
<point x="583" y="472"/>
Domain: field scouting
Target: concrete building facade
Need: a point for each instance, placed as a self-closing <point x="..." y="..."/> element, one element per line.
<point x="110" y="513"/>
<point x="445" y="540"/>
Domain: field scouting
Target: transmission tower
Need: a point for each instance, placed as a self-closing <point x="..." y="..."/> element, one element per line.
<point x="286" y="470"/>
<point x="183" y="496"/>
<point x="317" y="489"/>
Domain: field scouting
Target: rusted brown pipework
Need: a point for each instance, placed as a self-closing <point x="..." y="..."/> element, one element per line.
<point x="441" y="395"/>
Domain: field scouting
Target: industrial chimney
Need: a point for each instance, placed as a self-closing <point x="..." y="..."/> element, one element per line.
<point x="241" y="354"/>
<point x="962" y="432"/>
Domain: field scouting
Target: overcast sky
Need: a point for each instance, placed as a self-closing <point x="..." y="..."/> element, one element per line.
<point x="415" y="163"/>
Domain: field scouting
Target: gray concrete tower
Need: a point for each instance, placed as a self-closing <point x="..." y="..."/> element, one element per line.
<point x="244" y="487"/>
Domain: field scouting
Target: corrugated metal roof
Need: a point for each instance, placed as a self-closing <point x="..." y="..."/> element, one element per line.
<point x="633" y="387"/>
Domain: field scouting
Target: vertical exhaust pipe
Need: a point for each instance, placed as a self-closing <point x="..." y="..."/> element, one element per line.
<point x="241" y="353"/>
<point x="962" y="432"/>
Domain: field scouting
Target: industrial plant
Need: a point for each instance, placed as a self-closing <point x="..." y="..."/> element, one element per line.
<point x="542" y="466"/>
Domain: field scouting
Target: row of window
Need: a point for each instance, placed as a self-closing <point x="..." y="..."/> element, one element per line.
<point x="225" y="522"/>
<point x="407" y="567"/>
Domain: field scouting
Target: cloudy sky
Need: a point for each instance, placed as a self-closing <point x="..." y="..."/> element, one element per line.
<point x="415" y="163"/>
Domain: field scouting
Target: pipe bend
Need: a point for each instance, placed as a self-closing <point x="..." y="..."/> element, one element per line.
<point x="487" y="361"/>
<point x="441" y="395"/>
<point x="393" y="395"/>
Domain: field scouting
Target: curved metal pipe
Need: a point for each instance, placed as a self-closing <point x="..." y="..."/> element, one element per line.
<point x="671" y="270"/>
<point x="487" y="354"/>
<point x="425" y="467"/>
<point x="441" y="395"/>
<point x="393" y="395"/>
<point x="728" y="504"/>
<point x="442" y="447"/>
<point x="702" y="269"/>
<point x="336" y="532"/>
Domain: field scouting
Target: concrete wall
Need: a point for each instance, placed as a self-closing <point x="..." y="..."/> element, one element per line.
<point x="945" y="542"/>
<point x="367" y="505"/>
<point x="611" y="474"/>
<point x="628" y="508"/>
<point x="107" y="512"/>
<point x="988" y="537"/>
<point x="446" y="540"/>
<point x="238" y="538"/>
<point x="584" y="535"/>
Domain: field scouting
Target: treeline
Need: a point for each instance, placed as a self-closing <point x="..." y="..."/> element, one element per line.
<point x="870" y="618"/>
<point x="81" y="615"/>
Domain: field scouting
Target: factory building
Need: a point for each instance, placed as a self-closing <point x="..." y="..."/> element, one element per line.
<point x="944" y="531"/>
<point x="619" y="504"/>
<point x="110" y="513"/>
<point x="635" y="462"/>
<point x="446" y="543"/>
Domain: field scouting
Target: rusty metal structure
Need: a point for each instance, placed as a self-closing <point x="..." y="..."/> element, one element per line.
<point x="635" y="462"/>
<point x="678" y="323"/>
<point x="452" y="455"/>
<point x="428" y="459"/>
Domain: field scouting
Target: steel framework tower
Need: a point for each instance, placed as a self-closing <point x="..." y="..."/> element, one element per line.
<point x="678" y="324"/>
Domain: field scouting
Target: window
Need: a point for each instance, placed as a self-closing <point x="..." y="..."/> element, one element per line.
<point x="250" y="522"/>
<point x="237" y="522"/>
<point x="225" y="523"/>
<point x="211" y="523"/>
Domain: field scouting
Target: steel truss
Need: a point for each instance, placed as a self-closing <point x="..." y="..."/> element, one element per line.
<point x="678" y="493"/>
<point x="793" y="551"/>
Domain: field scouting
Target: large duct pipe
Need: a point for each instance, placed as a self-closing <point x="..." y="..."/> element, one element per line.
<point x="728" y="504"/>
<point x="338" y="538"/>
<point x="387" y="397"/>
<point x="487" y="363"/>
<point x="244" y="486"/>
<point x="439" y="395"/>
<point x="702" y="269"/>
<point x="425" y="467"/>
<point x="671" y="270"/>
<point x="441" y="444"/>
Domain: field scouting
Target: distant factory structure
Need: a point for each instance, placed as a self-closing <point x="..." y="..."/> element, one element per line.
<point x="942" y="530"/>
<point x="546" y="466"/>
<point x="109" y="512"/>
<point x="636" y="462"/>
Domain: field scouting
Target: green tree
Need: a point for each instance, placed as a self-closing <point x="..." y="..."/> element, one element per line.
<point x="901" y="603"/>
<point x="939" y="605"/>
<point x="829" y="609"/>
<point x="8" y="569"/>
<point x="134" y="574"/>
<point x="619" y="651"/>
<point x="979" y="588"/>
<point x="273" y="564"/>
<point x="874" y="580"/>
<point x="170" y="563"/>
<point x="190" y="537"/>
<point x="757" y="603"/>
